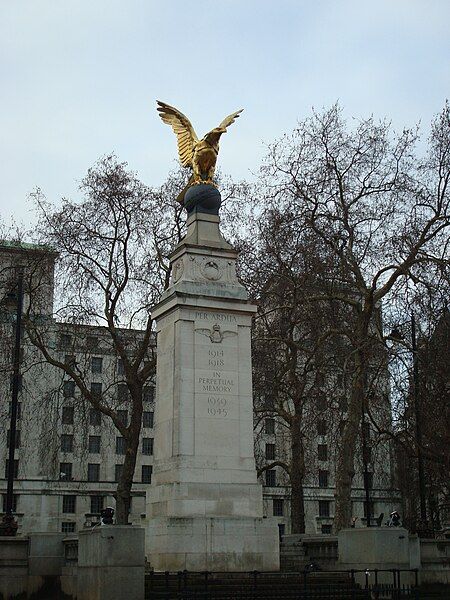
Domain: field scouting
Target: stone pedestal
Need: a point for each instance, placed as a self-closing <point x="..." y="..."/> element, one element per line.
<point x="381" y="548"/>
<point x="46" y="554"/>
<point x="13" y="566"/>
<point x="204" y="507"/>
<point x="111" y="563"/>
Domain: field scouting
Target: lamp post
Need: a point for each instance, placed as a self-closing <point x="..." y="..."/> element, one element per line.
<point x="9" y="525"/>
<point x="396" y="335"/>
<point x="418" y="419"/>
<point x="366" y="471"/>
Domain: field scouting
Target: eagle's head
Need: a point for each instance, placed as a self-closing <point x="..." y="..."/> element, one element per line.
<point x="214" y="135"/>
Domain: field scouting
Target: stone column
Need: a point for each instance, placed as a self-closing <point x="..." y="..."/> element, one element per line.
<point x="204" y="507"/>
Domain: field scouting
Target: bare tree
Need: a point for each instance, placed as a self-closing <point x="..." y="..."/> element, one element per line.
<point x="420" y="376"/>
<point x="113" y="264"/>
<point x="111" y="270"/>
<point x="294" y="342"/>
<point x="381" y="212"/>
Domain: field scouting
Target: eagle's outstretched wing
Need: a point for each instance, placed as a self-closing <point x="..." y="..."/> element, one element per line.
<point x="182" y="128"/>
<point x="226" y="334"/>
<point x="230" y="119"/>
<point x="204" y="331"/>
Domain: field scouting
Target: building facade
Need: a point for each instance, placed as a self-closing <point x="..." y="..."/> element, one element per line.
<point x="68" y="456"/>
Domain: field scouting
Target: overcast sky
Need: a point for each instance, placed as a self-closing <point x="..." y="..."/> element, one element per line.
<point x="79" y="78"/>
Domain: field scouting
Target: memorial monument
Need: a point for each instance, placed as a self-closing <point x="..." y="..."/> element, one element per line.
<point x="204" y="507"/>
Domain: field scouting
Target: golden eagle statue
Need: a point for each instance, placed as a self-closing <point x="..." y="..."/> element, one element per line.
<point x="199" y="155"/>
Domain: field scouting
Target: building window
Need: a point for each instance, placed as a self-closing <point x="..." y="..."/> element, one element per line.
<point x="19" y="410"/>
<point x="366" y="431"/>
<point x="270" y="451"/>
<point x="372" y="509"/>
<point x="117" y="472"/>
<point x="123" y="393"/>
<point x="96" y="364"/>
<point x="66" y="443"/>
<point x="147" y="418"/>
<point x="268" y="402"/>
<point x="94" y="444"/>
<point x="91" y="342"/>
<point x="367" y="453"/>
<point x="17" y="439"/>
<point x="148" y="393"/>
<point x="122" y="415"/>
<point x="93" y="472"/>
<point x="95" y="417"/>
<point x="65" y="340"/>
<point x="324" y="508"/>
<point x="269" y="426"/>
<point x="147" y="446"/>
<point x="97" y="504"/>
<point x="327" y="529"/>
<point x="323" y="479"/>
<point x="69" y="504"/>
<point x="120" y="445"/>
<point x="147" y="471"/>
<point x="120" y="367"/>
<point x="322" y="452"/>
<point x="11" y="383"/>
<point x="271" y="478"/>
<point x="67" y="527"/>
<point x="321" y="427"/>
<point x="16" y="468"/>
<point x="322" y="403"/>
<point x="14" y="502"/>
<point x="343" y="403"/>
<point x="65" y="471"/>
<point x="368" y="480"/>
<point x="67" y="415"/>
<point x="96" y="389"/>
<point x="278" y="506"/>
<point x="70" y="360"/>
<point x="69" y="389"/>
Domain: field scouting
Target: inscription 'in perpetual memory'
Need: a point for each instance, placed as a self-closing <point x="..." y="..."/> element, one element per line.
<point x="216" y="383"/>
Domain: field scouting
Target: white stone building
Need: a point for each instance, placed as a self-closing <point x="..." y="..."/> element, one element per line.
<point x="68" y="456"/>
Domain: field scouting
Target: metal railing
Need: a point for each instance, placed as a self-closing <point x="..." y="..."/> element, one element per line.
<point x="377" y="584"/>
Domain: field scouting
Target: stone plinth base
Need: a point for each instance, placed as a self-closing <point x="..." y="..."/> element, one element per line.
<point x="380" y="548"/>
<point x="46" y="554"/>
<point x="13" y="567"/>
<point x="111" y="563"/>
<point x="212" y="544"/>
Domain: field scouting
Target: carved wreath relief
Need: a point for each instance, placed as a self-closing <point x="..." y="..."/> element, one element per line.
<point x="204" y="268"/>
<point x="211" y="270"/>
<point x="178" y="269"/>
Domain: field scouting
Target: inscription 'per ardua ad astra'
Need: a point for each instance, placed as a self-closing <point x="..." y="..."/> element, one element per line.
<point x="212" y="316"/>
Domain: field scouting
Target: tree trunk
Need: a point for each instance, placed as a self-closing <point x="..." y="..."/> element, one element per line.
<point x="125" y="483"/>
<point x="346" y="456"/>
<point x="123" y="494"/>
<point x="297" y="476"/>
